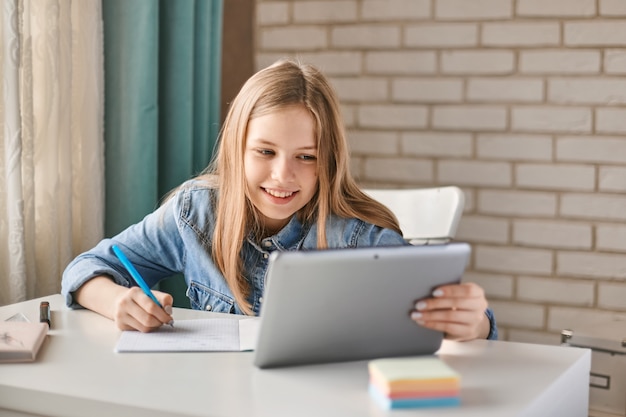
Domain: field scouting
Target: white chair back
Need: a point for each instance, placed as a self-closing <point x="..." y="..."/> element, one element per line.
<point x="426" y="215"/>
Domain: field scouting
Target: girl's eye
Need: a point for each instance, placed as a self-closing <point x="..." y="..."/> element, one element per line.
<point x="308" y="157"/>
<point x="266" y="152"/>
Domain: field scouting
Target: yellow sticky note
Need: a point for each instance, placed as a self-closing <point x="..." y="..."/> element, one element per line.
<point x="426" y="371"/>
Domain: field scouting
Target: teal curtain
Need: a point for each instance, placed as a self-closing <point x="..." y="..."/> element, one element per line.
<point x="162" y="99"/>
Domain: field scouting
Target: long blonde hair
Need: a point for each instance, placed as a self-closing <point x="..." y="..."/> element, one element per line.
<point x="285" y="83"/>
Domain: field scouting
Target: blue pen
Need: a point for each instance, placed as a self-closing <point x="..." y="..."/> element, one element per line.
<point x="135" y="274"/>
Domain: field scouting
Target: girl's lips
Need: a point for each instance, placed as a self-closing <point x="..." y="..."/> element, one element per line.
<point x="280" y="197"/>
<point x="278" y="193"/>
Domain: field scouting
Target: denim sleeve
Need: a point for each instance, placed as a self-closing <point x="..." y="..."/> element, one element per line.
<point x="493" y="328"/>
<point x="154" y="246"/>
<point x="367" y="235"/>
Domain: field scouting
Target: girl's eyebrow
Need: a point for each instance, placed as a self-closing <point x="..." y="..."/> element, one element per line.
<point x="270" y="143"/>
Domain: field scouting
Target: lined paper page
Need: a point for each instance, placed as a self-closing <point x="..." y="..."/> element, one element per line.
<point x="197" y="335"/>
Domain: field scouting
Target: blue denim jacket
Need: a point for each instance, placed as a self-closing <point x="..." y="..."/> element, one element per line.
<point x="176" y="238"/>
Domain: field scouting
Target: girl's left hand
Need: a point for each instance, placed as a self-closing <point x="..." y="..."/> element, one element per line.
<point x="457" y="310"/>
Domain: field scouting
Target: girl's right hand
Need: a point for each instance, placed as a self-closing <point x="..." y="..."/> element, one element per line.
<point x="130" y="308"/>
<point x="134" y="310"/>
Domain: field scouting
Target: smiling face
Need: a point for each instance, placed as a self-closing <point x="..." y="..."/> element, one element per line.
<point x="280" y="164"/>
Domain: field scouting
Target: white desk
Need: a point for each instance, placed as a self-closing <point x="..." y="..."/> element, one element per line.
<point x="78" y="374"/>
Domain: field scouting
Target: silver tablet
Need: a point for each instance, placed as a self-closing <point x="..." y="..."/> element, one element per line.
<point x="351" y="304"/>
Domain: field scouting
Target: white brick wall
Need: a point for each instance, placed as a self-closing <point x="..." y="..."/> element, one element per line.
<point x="483" y="229"/>
<point x="477" y="62"/>
<point x="526" y="90"/>
<point x="469" y="117"/>
<point x="594" y="206"/>
<point x="559" y="61"/>
<point x="587" y="90"/>
<point x="560" y="318"/>
<point x="361" y="36"/>
<point x="515" y="314"/>
<point x="273" y="13"/>
<point x="592" y="265"/>
<point x="611" y="238"/>
<point x="595" y="33"/>
<point x="596" y="149"/>
<point x="612" y="296"/>
<point x="400" y="63"/>
<point x="558" y="291"/>
<point x="427" y="90"/>
<point x="373" y="143"/>
<point x="427" y="35"/>
<point x="333" y="63"/>
<point x="557" y="8"/>
<point x="611" y="120"/>
<point x="399" y="170"/>
<point x="615" y="60"/>
<point x="516" y="260"/>
<point x="436" y="144"/>
<point x="556" y="177"/>
<point x="495" y="285"/>
<point x="541" y="233"/>
<point x="521" y="34"/>
<point x="476" y="9"/>
<point x="551" y="119"/>
<point x="361" y="89"/>
<point x="474" y="173"/>
<point x="392" y="116"/>
<point x="522" y="103"/>
<point x="612" y="8"/>
<point x="395" y="9"/>
<point x="514" y="147"/>
<point x="303" y="38"/>
<point x="517" y="203"/>
<point x="323" y="11"/>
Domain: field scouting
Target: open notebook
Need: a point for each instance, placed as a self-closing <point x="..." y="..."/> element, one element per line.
<point x="196" y="335"/>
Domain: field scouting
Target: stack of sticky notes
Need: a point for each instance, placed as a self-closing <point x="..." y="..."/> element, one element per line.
<point x="424" y="381"/>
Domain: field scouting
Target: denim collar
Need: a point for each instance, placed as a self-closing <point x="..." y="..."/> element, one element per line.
<point x="289" y="238"/>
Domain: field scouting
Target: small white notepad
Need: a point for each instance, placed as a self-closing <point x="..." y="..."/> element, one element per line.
<point x="197" y="335"/>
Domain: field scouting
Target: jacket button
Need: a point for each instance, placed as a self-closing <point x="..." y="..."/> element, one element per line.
<point x="265" y="256"/>
<point x="260" y="299"/>
<point x="208" y="307"/>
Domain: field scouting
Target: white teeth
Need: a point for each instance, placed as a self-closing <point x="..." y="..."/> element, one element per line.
<point x="279" y="194"/>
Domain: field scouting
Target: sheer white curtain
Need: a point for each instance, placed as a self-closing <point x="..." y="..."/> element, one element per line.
<point x="51" y="150"/>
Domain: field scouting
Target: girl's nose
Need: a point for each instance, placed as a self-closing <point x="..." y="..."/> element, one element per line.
<point x="282" y="170"/>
